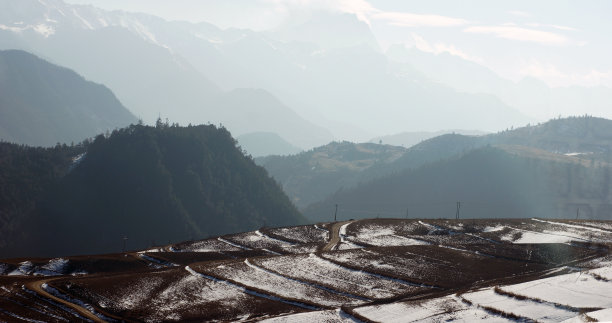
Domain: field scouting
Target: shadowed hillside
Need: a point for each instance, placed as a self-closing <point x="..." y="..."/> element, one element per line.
<point x="587" y="140"/>
<point x="489" y="182"/>
<point x="154" y="184"/>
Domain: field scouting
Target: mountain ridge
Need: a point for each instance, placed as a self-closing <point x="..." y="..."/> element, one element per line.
<point x="43" y="104"/>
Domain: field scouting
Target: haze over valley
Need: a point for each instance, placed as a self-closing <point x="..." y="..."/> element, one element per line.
<point x="305" y="161"/>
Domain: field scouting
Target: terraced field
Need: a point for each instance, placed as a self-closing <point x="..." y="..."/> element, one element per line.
<point x="375" y="270"/>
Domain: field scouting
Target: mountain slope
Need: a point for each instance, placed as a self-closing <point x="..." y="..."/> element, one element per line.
<point x="128" y="53"/>
<point x="530" y="96"/>
<point x="587" y="139"/>
<point x="42" y="104"/>
<point x="489" y="182"/>
<point x="352" y="83"/>
<point x="160" y="184"/>
<point x="259" y="144"/>
<point x="310" y="176"/>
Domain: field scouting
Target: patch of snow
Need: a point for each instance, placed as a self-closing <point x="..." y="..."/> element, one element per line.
<point x="76" y="161"/>
<point x="156" y="263"/>
<point x="545" y="236"/>
<point x="581" y="227"/>
<point x="44" y="30"/>
<point x="138" y="293"/>
<point x="281" y="287"/>
<point x="384" y="236"/>
<point x="25" y="268"/>
<point x="13" y="29"/>
<point x="443" y="309"/>
<point x="604" y="315"/>
<point x="316" y="269"/>
<point x="83" y="20"/>
<point x="575" y="289"/>
<point x="541" y="312"/>
<point x="308" y="317"/>
<point x="76" y="301"/>
<point x="347" y="246"/>
<point x="55" y="267"/>
<point x="291" y="277"/>
<point x="259" y="233"/>
<point x="493" y="229"/>
<point x="233" y="244"/>
<point x="604" y="225"/>
<point x="19" y="317"/>
<point x="376" y="275"/>
<point x="272" y="252"/>
<point x="248" y="291"/>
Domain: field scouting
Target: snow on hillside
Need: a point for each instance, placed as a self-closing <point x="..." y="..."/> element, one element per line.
<point x="575" y="290"/>
<point x="323" y="272"/>
<point x="456" y="271"/>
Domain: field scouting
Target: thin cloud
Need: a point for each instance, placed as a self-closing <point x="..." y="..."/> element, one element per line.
<point x="556" y="77"/>
<point x="520" y="34"/>
<point x="437" y="48"/>
<point x="405" y="19"/>
<point x="538" y="25"/>
<point x="366" y="12"/>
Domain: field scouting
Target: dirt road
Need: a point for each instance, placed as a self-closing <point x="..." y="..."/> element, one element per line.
<point x="335" y="235"/>
<point x="37" y="287"/>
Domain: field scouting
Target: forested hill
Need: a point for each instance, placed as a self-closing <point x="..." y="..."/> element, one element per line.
<point x="585" y="138"/>
<point x="489" y="182"/>
<point x="152" y="185"/>
<point x="42" y="104"/>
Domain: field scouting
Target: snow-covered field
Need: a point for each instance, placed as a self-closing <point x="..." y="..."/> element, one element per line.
<point x="303" y="234"/>
<point x="577" y="289"/>
<point x="247" y="274"/>
<point x="321" y="271"/>
<point x="444" y="309"/>
<point x="372" y="270"/>
<point x="336" y="315"/>
<point x="537" y="311"/>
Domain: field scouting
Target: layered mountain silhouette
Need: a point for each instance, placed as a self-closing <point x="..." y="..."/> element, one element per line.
<point x="577" y="140"/>
<point x="185" y="72"/>
<point x="42" y="104"/>
<point x="484" y="183"/>
<point x="149" y="184"/>
<point x="259" y="144"/>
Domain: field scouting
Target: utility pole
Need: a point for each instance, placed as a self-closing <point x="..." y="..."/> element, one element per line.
<point x="406" y="213"/>
<point x="458" y="207"/>
<point x="124" y="242"/>
<point x="336" y="214"/>
<point x="577" y="212"/>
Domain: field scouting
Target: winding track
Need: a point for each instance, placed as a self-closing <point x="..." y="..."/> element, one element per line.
<point x="334" y="235"/>
<point x="36" y="286"/>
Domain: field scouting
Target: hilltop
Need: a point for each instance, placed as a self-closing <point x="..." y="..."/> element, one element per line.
<point x="310" y="176"/>
<point x="585" y="141"/>
<point x="149" y="184"/>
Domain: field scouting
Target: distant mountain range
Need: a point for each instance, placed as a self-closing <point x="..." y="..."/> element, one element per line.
<point x="42" y="104"/>
<point x="339" y="85"/>
<point x="585" y="141"/>
<point x="260" y="144"/>
<point x="149" y="184"/>
<point x="530" y="96"/>
<point x="123" y="52"/>
<point x="409" y="139"/>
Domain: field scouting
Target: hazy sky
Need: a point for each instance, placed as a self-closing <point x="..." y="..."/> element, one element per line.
<point x="561" y="42"/>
